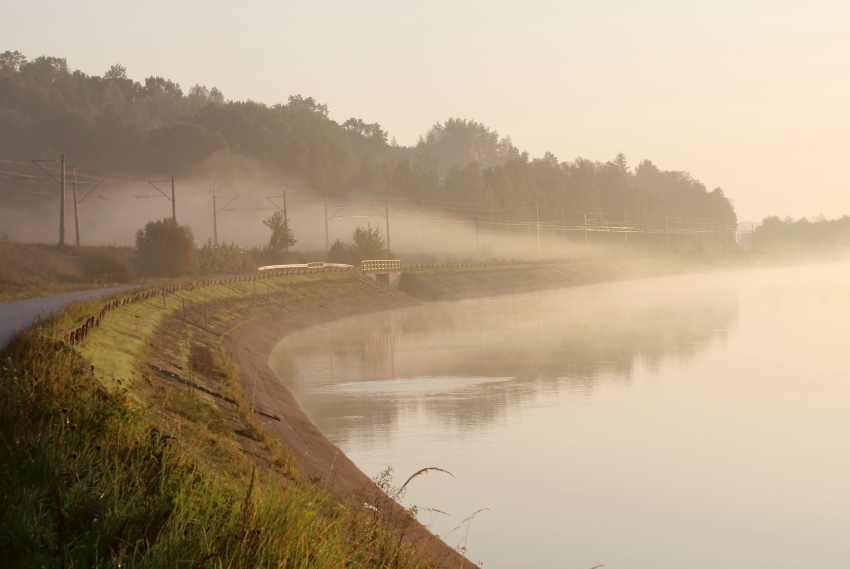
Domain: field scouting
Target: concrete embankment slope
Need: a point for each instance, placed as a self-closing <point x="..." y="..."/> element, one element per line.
<point x="250" y="345"/>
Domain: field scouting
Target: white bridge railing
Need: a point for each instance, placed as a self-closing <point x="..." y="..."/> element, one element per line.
<point x="318" y="265"/>
<point x="380" y="265"/>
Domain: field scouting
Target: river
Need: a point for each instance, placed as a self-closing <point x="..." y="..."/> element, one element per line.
<point x="682" y="422"/>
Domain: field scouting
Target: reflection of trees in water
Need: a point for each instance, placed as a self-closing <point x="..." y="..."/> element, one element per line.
<point x="543" y="342"/>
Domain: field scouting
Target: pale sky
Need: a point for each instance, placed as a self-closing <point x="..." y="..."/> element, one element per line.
<point x="751" y="96"/>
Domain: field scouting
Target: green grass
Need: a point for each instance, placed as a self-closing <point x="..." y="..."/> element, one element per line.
<point x="106" y="467"/>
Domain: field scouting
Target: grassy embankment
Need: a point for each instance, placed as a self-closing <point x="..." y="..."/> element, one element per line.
<point x="106" y="463"/>
<point x="28" y="270"/>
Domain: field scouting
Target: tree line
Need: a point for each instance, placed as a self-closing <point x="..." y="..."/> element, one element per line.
<point x="788" y="234"/>
<point x="154" y="128"/>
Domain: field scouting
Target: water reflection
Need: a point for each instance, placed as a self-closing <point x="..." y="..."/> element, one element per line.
<point x="473" y="363"/>
<point x="685" y="422"/>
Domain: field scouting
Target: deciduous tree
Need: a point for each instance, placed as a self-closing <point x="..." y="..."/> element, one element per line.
<point x="165" y="249"/>
<point x="281" y="239"/>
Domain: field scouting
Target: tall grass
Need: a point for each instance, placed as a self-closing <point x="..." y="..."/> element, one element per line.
<point x="85" y="481"/>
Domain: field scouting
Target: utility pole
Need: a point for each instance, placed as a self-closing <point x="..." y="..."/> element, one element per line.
<point x="602" y="225"/>
<point x="215" y="221"/>
<point x="270" y="198"/>
<point x="61" y="181"/>
<point x="216" y="211"/>
<point x="76" y="216"/>
<point x="385" y="215"/>
<point x="585" y="231"/>
<point x="172" y="198"/>
<point x="327" y="217"/>
<point x="625" y="226"/>
<point x="537" y="214"/>
<point x="387" y="211"/>
<point x="62" y="206"/>
<point x="666" y="237"/>
<point x="81" y="200"/>
<point x="477" y="236"/>
<point x="563" y="223"/>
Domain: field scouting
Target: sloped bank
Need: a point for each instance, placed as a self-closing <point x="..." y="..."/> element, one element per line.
<point x="107" y="462"/>
<point x="250" y="345"/>
<point x="150" y="372"/>
<point x="150" y="330"/>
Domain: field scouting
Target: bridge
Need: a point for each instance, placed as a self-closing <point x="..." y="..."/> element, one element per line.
<point x="386" y="271"/>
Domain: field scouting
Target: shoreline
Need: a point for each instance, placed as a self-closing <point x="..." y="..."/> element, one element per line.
<point x="250" y="345"/>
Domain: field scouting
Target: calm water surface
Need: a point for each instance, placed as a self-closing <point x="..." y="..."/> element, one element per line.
<point x="685" y="422"/>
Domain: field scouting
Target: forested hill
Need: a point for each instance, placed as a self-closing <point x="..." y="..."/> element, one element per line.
<point x="155" y="128"/>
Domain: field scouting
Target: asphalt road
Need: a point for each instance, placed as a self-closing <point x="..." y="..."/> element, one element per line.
<point x="20" y="314"/>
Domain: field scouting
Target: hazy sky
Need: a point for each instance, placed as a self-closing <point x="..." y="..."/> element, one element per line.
<point x="751" y="96"/>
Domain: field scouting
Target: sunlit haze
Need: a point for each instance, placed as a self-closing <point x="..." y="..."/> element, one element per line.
<point x="748" y="96"/>
<point x="580" y="269"/>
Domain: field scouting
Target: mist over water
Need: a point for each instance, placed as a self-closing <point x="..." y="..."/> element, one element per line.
<point x="682" y="422"/>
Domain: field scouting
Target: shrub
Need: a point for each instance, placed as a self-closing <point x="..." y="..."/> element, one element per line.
<point x="368" y="244"/>
<point x="222" y="259"/>
<point x="165" y="249"/>
<point x="98" y="266"/>
<point x="342" y="252"/>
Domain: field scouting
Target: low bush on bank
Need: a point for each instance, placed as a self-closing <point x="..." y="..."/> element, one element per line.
<point x="87" y="481"/>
